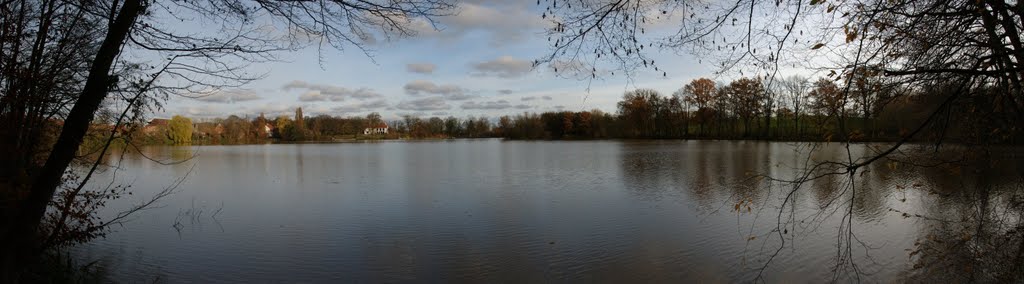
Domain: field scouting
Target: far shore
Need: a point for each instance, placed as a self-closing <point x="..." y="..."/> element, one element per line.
<point x="366" y="140"/>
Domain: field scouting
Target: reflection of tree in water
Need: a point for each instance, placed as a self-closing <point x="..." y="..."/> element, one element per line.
<point x="644" y="170"/>
<point x="847" y="202"/>
<point x="976" y="227"/>
<point x="970" y="219"/>
<point x="970" y="211"/>
<point x="870" y="204"/>
<point x="181" y="153"/>
<point x="649" y="171"/>
<point x="701" y="188"/>
<point x="746" y="161"/>
<point x="825" y="190"/>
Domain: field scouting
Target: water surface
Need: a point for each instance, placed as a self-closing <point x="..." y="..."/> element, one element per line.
<point x="510" y="211"/>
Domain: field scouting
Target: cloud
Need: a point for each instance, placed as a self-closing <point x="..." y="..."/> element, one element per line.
<point x="505" y="91"/>
<point x="361" y="107"/>
<point x="447" y="91"/>
<point x="315" y="96"/>
<point x="531" y="98"/>
<point x="503" y="67"/>
<point x="526" y="99"/>
<point x="272" y="110"/>
<point x="364" y="93"/>
<point x="426" y="87"/>
<point x="440" y="113"/>
<point x="199" y="111"/>
<point x="424" y="104"/>
<point x="570" y="67"/>
<point x="506" y="21"/>
<point x="421" y="68"/>
<point x="460" y="97"/>
<point x="376" y="104"/>
<point x="497" y="105"/>
<point x="226" y="96"/>
<point x="322" y="93"/>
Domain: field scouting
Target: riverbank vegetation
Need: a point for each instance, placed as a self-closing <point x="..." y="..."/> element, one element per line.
<point x="796" y="109"/>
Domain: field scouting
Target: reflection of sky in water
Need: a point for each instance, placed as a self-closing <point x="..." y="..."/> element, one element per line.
<point x="507" y="211"/>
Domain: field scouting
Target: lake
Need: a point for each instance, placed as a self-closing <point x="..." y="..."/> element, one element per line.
<point x="490" y="210"/>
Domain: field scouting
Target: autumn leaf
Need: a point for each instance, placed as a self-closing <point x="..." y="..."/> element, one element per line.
<point x="817" y="46"/>
<point x="850" y="36"/>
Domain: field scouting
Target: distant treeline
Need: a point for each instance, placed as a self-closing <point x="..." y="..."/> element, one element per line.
<point x="238" y="130"/>
<point x="794" y="109"/>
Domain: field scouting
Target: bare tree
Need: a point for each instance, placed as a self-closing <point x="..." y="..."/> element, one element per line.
<point x="770" y="104"/>
<point x="970" y="51"/>
<point x="78" y="48"/>
<point x="916" y="43"/>
<point x="794" y="89"/>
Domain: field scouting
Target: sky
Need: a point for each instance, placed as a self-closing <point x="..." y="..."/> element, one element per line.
<point x="477" y="64"/>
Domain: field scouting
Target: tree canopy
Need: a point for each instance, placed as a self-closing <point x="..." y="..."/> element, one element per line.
<point x="180" y="130"/>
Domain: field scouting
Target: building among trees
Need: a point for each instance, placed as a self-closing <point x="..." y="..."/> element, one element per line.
<point x="155" y="125"/>
<point x="379" y="128"/>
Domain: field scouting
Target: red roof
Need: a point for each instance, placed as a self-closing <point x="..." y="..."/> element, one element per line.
<point x="159" y="121"/>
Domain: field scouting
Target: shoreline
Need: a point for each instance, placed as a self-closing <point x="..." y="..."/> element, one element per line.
<point x="346" y="141"/>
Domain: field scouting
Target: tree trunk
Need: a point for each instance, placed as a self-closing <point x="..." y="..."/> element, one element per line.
<point x="19" y="241"/>
<point x="686" y="125"/>
<point x="796" y="121"/>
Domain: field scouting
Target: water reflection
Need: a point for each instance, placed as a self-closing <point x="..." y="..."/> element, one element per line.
<point x="515" y="211"/>
<point x="976" y="236"/>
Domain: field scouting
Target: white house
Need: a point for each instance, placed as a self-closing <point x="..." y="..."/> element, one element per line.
<point x="269" y="130"/>
<point x="380" y="128"/>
